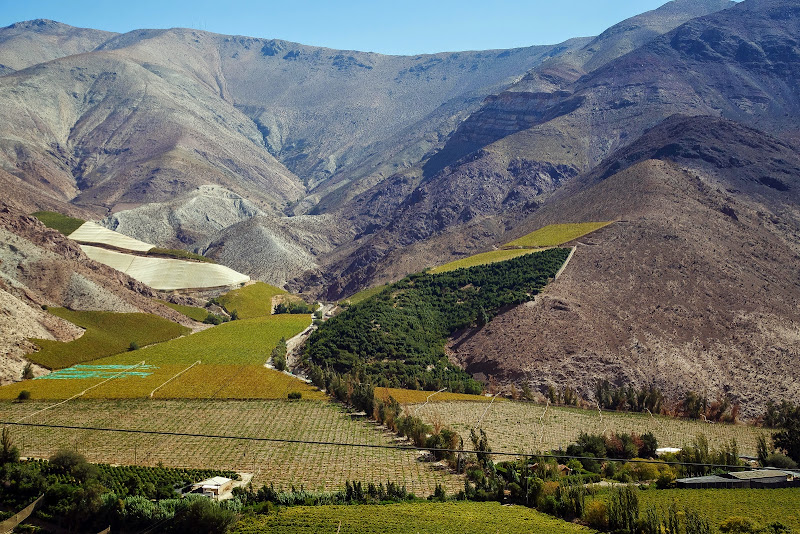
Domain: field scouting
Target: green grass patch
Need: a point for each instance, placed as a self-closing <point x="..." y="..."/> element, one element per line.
<point x="483" y="258"/>
<point x="178" y="253"/>
<point x="62" y="223"/>
<point x="254" y="300"/>
<point x="106" y="333"/>
<point x="363" y="295"/>
<point x="192" y="312"/>
<point x="554" y="235"/>
<point x="432" y="518"/>
<point x="762" y="506"/>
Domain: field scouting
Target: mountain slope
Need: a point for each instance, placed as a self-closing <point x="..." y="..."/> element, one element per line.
<point x="29" y="43"/>
<point x="538" y="141"/>
<point x="119" y="132"/>
<point x="694" y="286"/>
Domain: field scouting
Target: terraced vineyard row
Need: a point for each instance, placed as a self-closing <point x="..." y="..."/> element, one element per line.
<point x="314" y="466"/>
<point x="527" y="427"/>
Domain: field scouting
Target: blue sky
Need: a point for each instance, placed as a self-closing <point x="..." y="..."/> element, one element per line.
<point x="391" y="27"/>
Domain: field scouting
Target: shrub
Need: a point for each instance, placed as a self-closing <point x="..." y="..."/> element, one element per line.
<point x="133" y="346"/>
<point x="27" y="371"/>
<point x="623" y="510"/>
<point x="24" y="395"/>
<point x="295" y="395"/>
<point x="737" y="525"/>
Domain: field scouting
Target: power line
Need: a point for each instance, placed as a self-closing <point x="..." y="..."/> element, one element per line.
<point x="356" y="445"/>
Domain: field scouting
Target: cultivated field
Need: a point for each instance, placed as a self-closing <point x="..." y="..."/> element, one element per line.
<point x="760" y="505"/>
<point x="254" y="300"/>
<point x="315" y="467"/>
<point x="554" y="235"/>
<point x="525" y="427"/>
<point x="414" y="396"/>
<point x="364" y="294"/>
<point x="431" y="518"/>
<point x="232" y="355"/>
<point x="483" y="258"/>
<point x="92" y="233"/>
<point x="192" y="312"/>
<point x="106" y="333"/>
<point x="167" y="274"/>
<point x="56" y="221"/>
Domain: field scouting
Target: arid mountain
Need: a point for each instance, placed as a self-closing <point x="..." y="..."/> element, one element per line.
<point x="531" y="143"/>
<point x="32" y="42"/>
<point x="695" y="286"/>
<point x="40" y="267"/>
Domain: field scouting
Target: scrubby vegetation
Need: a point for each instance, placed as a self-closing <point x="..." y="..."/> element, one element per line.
<point x="629" y="398"/>
<point x="56" y="221"/>
<point x="396" y="338"/>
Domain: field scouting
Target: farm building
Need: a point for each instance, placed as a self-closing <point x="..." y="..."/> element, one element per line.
<point x="758" y="478"/>
<point x="214" y="487"/>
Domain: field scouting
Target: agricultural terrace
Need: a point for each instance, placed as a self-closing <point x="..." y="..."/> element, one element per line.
<point x="761" y="506"/>
<point x="232" y="356"/>
<point x="554" y="235"/>
<point x="254" y="300"/>
<point x="428" y="517"/>
<point x="527" y="427"/>
<point x="192" y="312"/>
<point x="106" y="333"/>
<point x="483" y="258"/>
<point x="315" y="467"/>
<point x="56" y="221"/>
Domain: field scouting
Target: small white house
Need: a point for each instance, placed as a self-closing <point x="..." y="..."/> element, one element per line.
<point x="214" y="487"/>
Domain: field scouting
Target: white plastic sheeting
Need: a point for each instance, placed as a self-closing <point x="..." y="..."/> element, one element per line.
<point x="92" y="233"/>
<point x="166" y="274"/>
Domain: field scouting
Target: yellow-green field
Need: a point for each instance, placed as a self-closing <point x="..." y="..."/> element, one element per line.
<point x="428" y="517"/>
<point x="364" y="294"/>
<point x="529" y="427"/>
<point x="493" y="256"/>
<point x="254" y="300"/>
<point x="62" y="223"/>
<point x="315" y="466"/>
<point x="554" y="235"/>
<point x="192" y="312"/>
<point x="232" y="356"/>
<point x="106" y="333"/>
<point x="412" y="396"/>
<point x="762" y="506"/>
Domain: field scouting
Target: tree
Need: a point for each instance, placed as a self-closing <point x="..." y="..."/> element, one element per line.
<point x="9" y="453"/>
<point x="788" y="439"/>
<point x="27" y="371"/>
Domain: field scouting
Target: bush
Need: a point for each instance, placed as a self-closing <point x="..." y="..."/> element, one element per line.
<point x="295" y="395"/>
<point x="623" y="510"/>
<point x="737" y="525"/>
<point x="596" y="515"/>
<point x="27" y="371"/>
<point x="133" y="346"/>
<point x="24" y="395"/>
